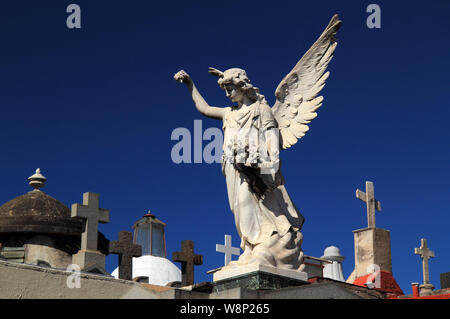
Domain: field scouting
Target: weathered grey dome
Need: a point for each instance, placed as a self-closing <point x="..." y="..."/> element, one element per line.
<point x="38" y="212"/>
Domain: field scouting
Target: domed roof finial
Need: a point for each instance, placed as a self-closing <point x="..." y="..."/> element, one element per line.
<point x="37" y="180"/>
<point x="149" y="214"/>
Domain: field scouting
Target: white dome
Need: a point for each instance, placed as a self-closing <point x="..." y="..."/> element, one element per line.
<point x="160" y="271"/>
<point x="331" y="251"/>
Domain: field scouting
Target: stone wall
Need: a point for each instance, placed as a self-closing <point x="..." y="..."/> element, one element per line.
<point x="43" y="248"/>
<point x="23" y="281"/>
<point x="30" y="282"/>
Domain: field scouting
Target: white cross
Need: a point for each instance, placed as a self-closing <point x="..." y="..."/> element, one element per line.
<point x="425" y="254"/>
<point x="228" y="249"/>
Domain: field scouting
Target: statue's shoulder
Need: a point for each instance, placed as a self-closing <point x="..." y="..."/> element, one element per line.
<point x="226" y="112"/>
<point x="265" y="109"/>
<point x="228" y="109"/>
<point x="264" y="106"/>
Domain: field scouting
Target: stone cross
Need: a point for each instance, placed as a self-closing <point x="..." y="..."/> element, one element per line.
<point x="126" y="250"/>
<point x="92" y="215"/>
<point x="372" y="204"/>
<point x="188" y="259"/>
<point x="425" y="254"/>
<point x="228" y="249"/>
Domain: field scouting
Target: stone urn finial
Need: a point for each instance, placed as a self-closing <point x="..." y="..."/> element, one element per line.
<point x="37" y="180"/>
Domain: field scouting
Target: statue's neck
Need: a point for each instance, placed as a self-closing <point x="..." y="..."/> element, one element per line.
<point x="245" y="102"/>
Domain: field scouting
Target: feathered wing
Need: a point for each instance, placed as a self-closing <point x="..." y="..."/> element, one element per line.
<point x="296" y="95"/>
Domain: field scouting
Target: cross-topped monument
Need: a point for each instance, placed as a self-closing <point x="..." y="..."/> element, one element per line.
<point x="372" y="244"/>
<point x="91" y="214"/>
<point x="228" y="249"/>
<point x="126" y="250"/>
<point x="188" y="259"/>
<point x="372" y="204"/>
<point x="425" y="254"/>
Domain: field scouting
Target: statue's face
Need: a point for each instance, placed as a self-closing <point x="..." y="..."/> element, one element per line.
<point x="234" y="93"/>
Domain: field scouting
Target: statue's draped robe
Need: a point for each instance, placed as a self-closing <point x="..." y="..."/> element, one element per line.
<point x="266" y="219"/>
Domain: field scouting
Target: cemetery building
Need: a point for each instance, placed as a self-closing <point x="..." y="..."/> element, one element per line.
<point x="152" y="267"/>
<point x="41" y="239"/>
<point x="37" y="229"/>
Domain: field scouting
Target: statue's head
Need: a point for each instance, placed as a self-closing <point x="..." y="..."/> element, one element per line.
<point x="235" y="83"/>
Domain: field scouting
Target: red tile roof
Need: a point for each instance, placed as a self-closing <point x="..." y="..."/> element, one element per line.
<point x="383" y="280"/>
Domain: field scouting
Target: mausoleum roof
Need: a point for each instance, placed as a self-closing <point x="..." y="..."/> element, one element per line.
<point x="159" y="270"/>
<point x="38" y="212"/>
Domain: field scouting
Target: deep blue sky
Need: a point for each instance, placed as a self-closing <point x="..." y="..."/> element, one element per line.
<point x="94" y="109"/>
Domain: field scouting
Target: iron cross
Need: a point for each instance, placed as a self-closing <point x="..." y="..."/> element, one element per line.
<point x="126" y="250"/>
<point x="188" y="259"/>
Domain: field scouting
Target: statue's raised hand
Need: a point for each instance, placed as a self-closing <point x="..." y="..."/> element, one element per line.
<point x="182" y="77"/>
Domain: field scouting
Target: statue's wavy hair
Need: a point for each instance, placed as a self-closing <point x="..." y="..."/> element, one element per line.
<point x="239" y="78"/>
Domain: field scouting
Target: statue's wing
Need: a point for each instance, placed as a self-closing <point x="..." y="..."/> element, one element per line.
<point x="296" y="94"/>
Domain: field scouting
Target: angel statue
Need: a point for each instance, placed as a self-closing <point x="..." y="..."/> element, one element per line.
<point x="266" y="219"/>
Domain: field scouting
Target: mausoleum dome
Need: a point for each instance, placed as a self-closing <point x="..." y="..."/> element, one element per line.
<point x="152" y="267"/>
<point x="332" y="253"/>
<point x="153" y="270"/>
<point x="38" y="212"/>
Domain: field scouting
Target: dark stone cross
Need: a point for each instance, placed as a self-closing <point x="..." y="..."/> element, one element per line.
<point x="126" y="250"/>
<point x="188" y="259"/>
<point x="372" y="204"/>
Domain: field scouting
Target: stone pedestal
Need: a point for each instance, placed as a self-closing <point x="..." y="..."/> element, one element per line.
<point x="372" y="247"/>
<point x="88" y="259"/>
<point x="426" y="290"/>
<point x="257" y="277"/>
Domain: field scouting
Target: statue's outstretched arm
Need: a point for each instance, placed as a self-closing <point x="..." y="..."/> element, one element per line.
<point x="202" y="106"/>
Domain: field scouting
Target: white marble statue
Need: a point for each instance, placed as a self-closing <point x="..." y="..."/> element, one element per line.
<point x="267" y="220"/>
